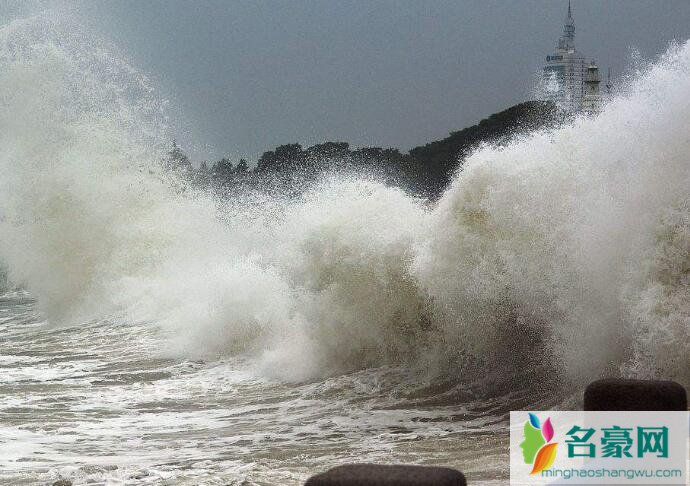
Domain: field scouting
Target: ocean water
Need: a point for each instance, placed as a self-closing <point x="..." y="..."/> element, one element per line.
<point x="153" y="334"/>
<point x="95" y="404"/>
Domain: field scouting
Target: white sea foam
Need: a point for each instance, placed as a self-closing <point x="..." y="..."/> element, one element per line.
<point x="567" y="248"/>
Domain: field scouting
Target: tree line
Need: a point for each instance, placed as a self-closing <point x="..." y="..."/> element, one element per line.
<point x="425" y="171"/>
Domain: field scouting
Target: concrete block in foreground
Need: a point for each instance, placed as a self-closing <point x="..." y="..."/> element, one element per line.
<point x="635" y="395"/>
<point x="380" y="475"/>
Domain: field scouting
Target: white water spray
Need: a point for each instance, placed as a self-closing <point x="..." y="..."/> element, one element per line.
<point x="570" y="247"/>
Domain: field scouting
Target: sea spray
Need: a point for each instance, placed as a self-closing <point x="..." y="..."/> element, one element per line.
<point x="563" y="231"/>
<point x="564" y="252"/>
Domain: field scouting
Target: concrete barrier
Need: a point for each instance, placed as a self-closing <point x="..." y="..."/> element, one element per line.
<point x="380" y="475"/>
<point x="631" y="395"/>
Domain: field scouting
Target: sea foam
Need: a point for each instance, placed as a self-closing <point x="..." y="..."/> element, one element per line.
<point x="566" y="251"/>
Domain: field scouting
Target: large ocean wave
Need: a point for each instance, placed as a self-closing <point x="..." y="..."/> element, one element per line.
<point x="565" y="252"/>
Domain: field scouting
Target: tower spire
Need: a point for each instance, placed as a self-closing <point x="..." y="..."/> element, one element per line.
<point x="568" y="38"/>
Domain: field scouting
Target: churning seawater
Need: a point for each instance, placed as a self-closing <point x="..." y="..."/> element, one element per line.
<point x="151" y="332"/>
<point x="95" y="404"/>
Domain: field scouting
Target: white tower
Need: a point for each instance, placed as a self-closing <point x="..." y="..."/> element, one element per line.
<point x="565" y="71"/>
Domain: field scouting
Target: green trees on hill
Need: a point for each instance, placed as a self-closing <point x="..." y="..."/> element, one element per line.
<point x="440" y="159"/>
<point x="177" y="159"/>
<point x="424" y="171"/>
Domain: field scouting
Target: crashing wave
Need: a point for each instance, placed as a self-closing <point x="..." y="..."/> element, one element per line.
<point x="565" y="250"/>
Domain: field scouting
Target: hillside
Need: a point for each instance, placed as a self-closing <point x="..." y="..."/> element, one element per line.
<point x="425" y="171"/>
<point x="440" y="159"/>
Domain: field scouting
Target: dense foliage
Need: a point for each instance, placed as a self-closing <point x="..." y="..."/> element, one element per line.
<point x="425" y="171"/>
<point x="440" y="159"/>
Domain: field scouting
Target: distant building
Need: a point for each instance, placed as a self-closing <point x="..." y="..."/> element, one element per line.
<point x="591" y="101"/>
<point x="571" y="80"/>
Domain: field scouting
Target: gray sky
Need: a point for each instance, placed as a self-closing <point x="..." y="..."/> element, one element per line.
<point x="247" y="76"/>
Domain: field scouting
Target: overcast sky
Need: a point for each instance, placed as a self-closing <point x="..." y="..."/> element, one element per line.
<point x="247" y="76"/>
